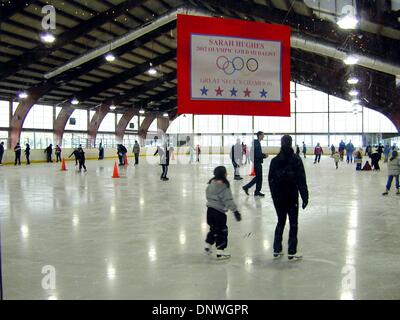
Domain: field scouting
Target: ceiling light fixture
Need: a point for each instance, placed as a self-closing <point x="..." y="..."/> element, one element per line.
<point x="152" y="71"/>
<point x="112" y="107"/>
<point x="349" y="21"/>
<point x="47" y="37"/>
<point x="23" y="95"/>
<point x="110" y="57"/>
<point x="75" y="101"/>
<point x="165" y="115"/>
<point x="353" y="93"/>
<point x="141" y="111"/>
<point x="352" y="80"/>
<point x="350" y="60"/>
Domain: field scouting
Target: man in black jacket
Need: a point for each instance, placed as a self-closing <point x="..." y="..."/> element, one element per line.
<point x="17" y="150"/>
<point x="81" y="158"/>
<point x="286" y="179"/>
<point x="257" y="161"/>
<point x="122" y="151"/>
<point x="49" y="151"/>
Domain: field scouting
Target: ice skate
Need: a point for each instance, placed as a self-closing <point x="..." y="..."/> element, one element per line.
<point x="278" y="255"/>
<point x="222" y="255"/>
<point x="295" y="256"/>
<point x="208" y="249"/>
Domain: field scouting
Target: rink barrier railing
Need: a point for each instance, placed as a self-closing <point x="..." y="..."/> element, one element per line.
<point x="38" y="155"/>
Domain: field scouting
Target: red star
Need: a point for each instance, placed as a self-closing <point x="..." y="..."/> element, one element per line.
<point x="247" y="92"/>
<point x="219" y="91"/>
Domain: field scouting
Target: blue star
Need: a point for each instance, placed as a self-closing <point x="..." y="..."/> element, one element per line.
<point x="233" y="92"/>
<point x="204" y="91"/>
<point x="263" y="93"/>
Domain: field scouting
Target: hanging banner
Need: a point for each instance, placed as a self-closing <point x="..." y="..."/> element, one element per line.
<point x="235" y="67"/>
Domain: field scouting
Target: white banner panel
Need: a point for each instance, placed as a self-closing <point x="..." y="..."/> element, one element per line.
<point x="235" y="69"/>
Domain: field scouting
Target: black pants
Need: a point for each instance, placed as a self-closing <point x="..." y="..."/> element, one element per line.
<point x="49" y="158"/>
<point x="282" y="211"/>
<point x="58" y="157"/>
<point x="27" y="158"/>
<point x="82" y="164"/>
<point x="76" y="161"/>
<point x="1" y="156"/>
<point x="317" y="157"/>
<point x="235" y="165"/>
<point x="121" y="160"/>
<point x="257" y="180"/>
<point x="375" y="162"/>
<point x="17" y="158"/>
<point x="164" y="171"/>
<point x="136" y="158"/>
<point x="218" y="233"/>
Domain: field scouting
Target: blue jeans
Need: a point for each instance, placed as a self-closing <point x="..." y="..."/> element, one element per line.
<point x="349" y="157"/>
<point x="389" y="182"/>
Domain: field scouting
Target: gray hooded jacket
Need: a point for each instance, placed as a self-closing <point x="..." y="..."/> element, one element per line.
<point x="219" y="197"/>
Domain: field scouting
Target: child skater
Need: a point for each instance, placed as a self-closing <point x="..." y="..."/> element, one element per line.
<point x="358" y="159"/>
<point x="219" y="201"/>
<point x="393" y="172"/>
<point x="336" y="157"/>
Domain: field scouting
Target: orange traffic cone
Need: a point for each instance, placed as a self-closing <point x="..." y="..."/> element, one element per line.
<point x="63" y="166"/>
<point x="253" y="173"/>
<point x="126" y="160"/>
<point x="115" y="173"/>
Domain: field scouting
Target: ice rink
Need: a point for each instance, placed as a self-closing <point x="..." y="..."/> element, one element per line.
<point x="140" y="238"/>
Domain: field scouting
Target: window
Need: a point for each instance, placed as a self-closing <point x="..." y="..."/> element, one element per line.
<point x="14" y="106"/>
<point x="375" y="121"/>
<point x="4" y="138"/>
<point x="108" y="140"/>
<point x="73" y="140"/>
<point x="208" y="140"/>
<point x="81" y="120"/>
<point x="135" y="122"/>
<point x="37" y="140"/>
<point x="355" y="139"/>
<point x="238" y="124"/>
<point x="345" y="122"/>
<point x="274" y="124"/>
<point x="207" y="124"/>
<point x="312" y="122"/>
<point x="339" y="105"/>
<point x="58" y="109"/>
<point x="311" y="101"/>
<point x="230" y="140"/>
<point x="39" y="117"/>
<point x="108" y="123"/>
<point x="129" y="140"/>
<point x="4" y="114"/>
<point x="153" y="126"/>
<point x="91" y="114"/>
<point x="181" y="125"/>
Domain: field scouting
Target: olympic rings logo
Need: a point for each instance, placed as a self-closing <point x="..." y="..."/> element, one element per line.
<point x="236" y="64"/>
